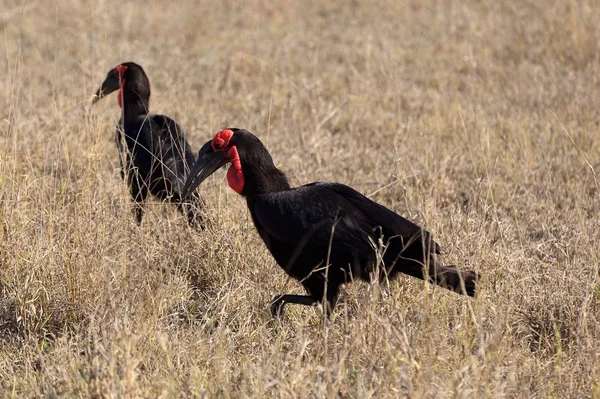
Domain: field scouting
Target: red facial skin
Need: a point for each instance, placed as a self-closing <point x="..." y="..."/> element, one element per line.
<point x="120" y="74"/>
<point x="235" y="175"/>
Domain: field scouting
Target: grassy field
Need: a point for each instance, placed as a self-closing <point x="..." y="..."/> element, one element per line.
<point x="476" y="119"/>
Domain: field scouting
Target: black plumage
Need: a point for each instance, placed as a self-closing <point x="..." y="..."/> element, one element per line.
<point x="323" y="234"/>
<point x="155" y="156"/>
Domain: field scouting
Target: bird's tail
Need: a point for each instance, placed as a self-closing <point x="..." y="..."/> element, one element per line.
<point x="449" y="277"/>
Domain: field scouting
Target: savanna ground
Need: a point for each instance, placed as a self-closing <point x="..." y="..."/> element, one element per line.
<point x="477" y="119"/>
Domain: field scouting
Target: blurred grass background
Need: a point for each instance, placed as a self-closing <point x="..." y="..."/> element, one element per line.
<point x="476" y="119"/>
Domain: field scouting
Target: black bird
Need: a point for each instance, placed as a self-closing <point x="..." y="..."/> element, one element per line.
<point x="155" y="156"/>
<point x="322" y="234"/>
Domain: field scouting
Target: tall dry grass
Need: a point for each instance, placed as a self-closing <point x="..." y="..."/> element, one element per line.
<point x="477" y="119"/>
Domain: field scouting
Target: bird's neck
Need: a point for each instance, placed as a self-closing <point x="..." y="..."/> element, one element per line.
<point x="264" y="180"/>
<point x="134" y="103"/>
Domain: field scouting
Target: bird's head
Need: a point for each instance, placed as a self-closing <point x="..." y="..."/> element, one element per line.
<point x="236" y="146"/>
<point x="129" y="72"/>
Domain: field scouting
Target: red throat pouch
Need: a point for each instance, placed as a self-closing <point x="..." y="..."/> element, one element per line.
<point x="120" y="95"/>
<point x="120" y="72"/>
<point x="235" y="175"/>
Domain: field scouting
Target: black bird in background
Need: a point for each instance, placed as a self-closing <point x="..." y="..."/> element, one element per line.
<point x="322" y="234"/>
<point x="155" y="156"/>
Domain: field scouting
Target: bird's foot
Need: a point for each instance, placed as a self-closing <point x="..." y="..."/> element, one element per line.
<point x="139" y="214"/>
<point x="276" y="307"/>
<point x="197" y="222"/>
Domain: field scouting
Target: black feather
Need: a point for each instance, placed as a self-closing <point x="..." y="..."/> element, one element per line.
<point x="327" y="234"/>
<point x="155" y="156"/>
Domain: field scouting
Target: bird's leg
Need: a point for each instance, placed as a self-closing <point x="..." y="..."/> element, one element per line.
<point x="330" y="304"/>
<point x="279" y="302"/>
<point x="139" y="212"/>
<point x="139" y="192"/>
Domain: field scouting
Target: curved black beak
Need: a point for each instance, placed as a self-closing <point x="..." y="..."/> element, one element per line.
<point x="208" y="162"/>
<point x="110" y="84"/>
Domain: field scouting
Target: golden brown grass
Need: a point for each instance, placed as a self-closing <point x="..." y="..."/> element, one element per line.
<point x="477" y="119"/>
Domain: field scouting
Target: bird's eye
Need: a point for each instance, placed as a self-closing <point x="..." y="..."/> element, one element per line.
<point x="221" y="140"/>
<point x="218" y="143"/>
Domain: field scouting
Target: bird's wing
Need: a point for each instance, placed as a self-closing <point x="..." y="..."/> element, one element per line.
<point x="169" y="129"/>
<point x="171" y="146"/>
<point x="315" y="215"/>
<point x="327" y="213"/>
<point x="379" y="215"/>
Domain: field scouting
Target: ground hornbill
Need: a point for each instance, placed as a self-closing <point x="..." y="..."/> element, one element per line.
<point x="322" y="234"/>
<point x="155" y="156"/>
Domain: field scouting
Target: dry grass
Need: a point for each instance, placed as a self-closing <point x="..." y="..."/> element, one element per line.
<point x="477" y="119"/>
